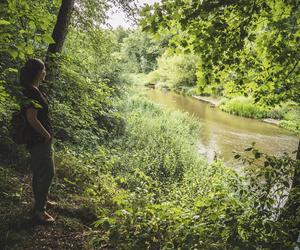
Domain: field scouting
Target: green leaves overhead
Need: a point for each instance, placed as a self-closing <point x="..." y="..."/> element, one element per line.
<point x="139" y="51"/>
<point x="250" y="47"/>
<point x="26" y="26"/>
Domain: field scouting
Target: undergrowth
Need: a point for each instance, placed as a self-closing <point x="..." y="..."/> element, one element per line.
<point x="147" y="188"/>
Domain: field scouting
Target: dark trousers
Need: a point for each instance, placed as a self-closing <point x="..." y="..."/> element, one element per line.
<point x="42" y="164"/>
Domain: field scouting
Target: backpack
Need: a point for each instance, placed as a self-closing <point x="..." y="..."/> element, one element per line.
<point x="19" y="129"/>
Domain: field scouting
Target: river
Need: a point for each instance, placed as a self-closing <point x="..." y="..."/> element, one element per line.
<point x="221" y="133"/>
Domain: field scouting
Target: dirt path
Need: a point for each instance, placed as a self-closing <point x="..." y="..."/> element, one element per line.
<point x="19" y="231"/>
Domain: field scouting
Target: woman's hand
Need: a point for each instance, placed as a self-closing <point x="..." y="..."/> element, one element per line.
<point x="31" y="116"/>
<point x="48" y="138"/>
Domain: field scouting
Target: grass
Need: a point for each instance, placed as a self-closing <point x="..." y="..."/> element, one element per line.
<point x="244" y="106"/>
<point x="288" y="113"/>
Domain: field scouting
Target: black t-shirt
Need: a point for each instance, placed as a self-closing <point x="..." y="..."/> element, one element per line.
<point x="38" y="100"/>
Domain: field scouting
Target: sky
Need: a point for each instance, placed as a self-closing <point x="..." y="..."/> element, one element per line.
<point x="118" y="18"/>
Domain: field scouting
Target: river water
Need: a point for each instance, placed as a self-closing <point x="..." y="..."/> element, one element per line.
<point x="221" y="133"/>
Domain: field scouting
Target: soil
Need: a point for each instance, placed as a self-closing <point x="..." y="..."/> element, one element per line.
<point x="18" y="230"/>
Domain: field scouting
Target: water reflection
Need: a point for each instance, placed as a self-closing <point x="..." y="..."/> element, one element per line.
<point x="222" y="133"/>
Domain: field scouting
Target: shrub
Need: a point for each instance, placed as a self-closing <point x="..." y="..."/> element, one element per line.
<point x="175" y="71"/>
<point x="291" y="120"/>
<point x="10" y="153"/>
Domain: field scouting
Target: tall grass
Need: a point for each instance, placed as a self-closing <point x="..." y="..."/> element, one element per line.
<point x="288" y="113"/>
<point x="158" y="142"/>
<point x="173" y="199"/>
<point x="244" y="106"/>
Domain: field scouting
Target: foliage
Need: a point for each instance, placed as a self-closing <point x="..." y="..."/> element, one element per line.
<point x="89" y="14"/>
<point x="82" y="106"/>
<point x="287" y="113"/>
<point x="136" y="79"/>
<point x="270" y="182"/>
<point x="9" y="152"/>
<point x="208" y="207"/>
<point x="128" y="164"/>
<point x="9" y="187"/>
<point x="246" y="47"/>
<point x="175" y="71"/>
<point x="26" y="27"/>
<point x="291" y="120"/>
<point x="139" y="51"/>
<point x="154" y="138"/>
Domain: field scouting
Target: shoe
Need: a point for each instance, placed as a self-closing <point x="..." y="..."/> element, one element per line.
<point x="44" y="217"/>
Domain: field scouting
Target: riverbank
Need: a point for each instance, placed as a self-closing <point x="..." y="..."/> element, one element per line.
<point x="216" y="102"/>
<point x="212" y="101"/>
<point x="221" y="133"/>
<point x="286" y="116"/>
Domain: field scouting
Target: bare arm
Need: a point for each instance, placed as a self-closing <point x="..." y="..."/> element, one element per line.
<point x="31" y="116"/>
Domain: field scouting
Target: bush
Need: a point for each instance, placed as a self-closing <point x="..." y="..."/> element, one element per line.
<point x="136" y="79"/>
<point x="175" y="71"/>
<point x="10" y="153"/>
<point x="291" y="121"/>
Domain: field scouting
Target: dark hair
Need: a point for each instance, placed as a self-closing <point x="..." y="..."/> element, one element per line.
<point x="30" y="70"/>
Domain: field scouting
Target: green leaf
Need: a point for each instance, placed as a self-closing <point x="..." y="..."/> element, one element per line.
<point x="4" y="22"/>
<point x="48" y="39"/>
<point x="29" y="50"/>
<point x="13" y="53"/>
<point x="32" y="25"/>
<point x="11" y="70"/>
<point x="36" y="104"/>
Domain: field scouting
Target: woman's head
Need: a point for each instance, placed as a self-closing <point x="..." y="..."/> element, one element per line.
<point x="32" y="73"/>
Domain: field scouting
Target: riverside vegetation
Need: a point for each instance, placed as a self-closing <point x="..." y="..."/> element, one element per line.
<point x="244" y="53"/>
<point x="128" y="175"/>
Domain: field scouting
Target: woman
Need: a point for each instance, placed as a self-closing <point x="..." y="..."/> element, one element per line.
<point x="40" y="135"/>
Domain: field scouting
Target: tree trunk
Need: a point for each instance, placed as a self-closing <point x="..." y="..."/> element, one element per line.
<point x="61" y="27"/>
<point x="59" y="34"/>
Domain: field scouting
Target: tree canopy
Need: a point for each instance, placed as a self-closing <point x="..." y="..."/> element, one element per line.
<point x="250" y="47"/>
